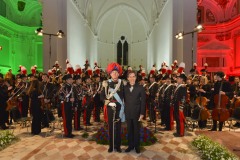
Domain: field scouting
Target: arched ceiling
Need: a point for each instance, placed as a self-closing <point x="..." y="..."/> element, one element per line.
<point x="132" y="18"/>
<point x="30" y="16"/>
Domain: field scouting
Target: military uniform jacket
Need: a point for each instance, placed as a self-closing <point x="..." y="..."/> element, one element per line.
<point x="153" y="91"/>
<point x="167" y="93"/>
<point x="180" y="93"/>
<point x="134" y="101"/>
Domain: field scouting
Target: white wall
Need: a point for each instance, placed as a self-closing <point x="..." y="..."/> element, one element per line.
<point x="81" y="44"/>
<point x="160" y="39"/>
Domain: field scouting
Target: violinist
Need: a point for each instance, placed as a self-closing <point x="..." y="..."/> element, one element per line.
<point x="235" y="86"/>
<point x="3" y="104"/>
<point x="221" y="87"/>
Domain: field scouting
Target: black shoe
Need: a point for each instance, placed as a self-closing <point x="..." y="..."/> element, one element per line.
<point x="4" y="127"/>
<point x="110" y="150"/>
<point x="212" y="129"/>
<point x="70" y="136"/>
<point x="137" y="150"/>
<point x="177" y="135"/>
<point x="128" y="149"/>
<point x="89" y="124"/>
<point x="119" y="150"/>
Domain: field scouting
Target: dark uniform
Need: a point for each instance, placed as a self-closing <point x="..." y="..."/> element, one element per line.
<point x="78" y="106"/>
<point x="98" y="104"/>
<point x="112" y="85"/>
<point x="179" y="97"/>
<point x="66" y="93"/>
<point x="166" y="102"/>
<point x="47" y="89"/>
<point x="88" y="103"/>
<point x="153" y="88"/>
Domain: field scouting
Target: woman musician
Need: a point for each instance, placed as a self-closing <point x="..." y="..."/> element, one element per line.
<point x="204" y="94"/>
<point x="221" y="87"/>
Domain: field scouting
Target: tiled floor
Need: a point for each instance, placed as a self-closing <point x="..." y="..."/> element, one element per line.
<point x="55" y="147"/>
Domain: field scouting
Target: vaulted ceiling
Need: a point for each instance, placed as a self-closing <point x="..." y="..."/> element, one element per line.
<point x="23" y="12"/>
<point x="136" y="16"/>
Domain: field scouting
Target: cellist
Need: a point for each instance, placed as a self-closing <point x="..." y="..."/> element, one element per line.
<point x="221" y="87"/>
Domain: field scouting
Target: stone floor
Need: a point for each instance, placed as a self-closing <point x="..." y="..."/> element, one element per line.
<point x="51" y="145"/>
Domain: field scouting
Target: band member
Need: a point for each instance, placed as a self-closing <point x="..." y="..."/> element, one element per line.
<point x="78" y="105"/>
<point x="221" y="87"/>
<point x="134" y="98"/>
<point x="3" y="104"/>
<point x="24" y="97"/>
<point x="153" y="88"/>
<point x="47" y="89"/>
<point x="96" y="96"/>
<point x="178" y="98"/>
<point x="88" y="103"/>
<point x="67" y="97"/>
<point x="112" y="94"/>
<point x="166" y="102"/>
<point x="35" y="95"/>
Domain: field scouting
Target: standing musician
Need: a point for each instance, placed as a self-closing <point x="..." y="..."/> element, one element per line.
<point x="78" y="105"/>
<point x="204" y="91"/>
<point x="3" y="104"/>
<point x="159" y="98"/>
<point x="221" y="87"/>
<point x="166" y="102"/>
<point x="67" y="96"/>
<point x="47" y="89"/>
<point x="98" y="104"/>
<point x="153" y="88"/>
<point x="35" y="95"/>
<point x="88" y="103"/>
<point x="24" y="97"/>
<point x="178" y="98"/>
<point x="112" y="95"/>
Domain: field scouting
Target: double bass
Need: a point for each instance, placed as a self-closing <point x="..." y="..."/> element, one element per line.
<point x="220" y="112"/>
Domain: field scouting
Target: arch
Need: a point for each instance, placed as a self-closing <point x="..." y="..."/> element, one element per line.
<point x="104" y="15"/>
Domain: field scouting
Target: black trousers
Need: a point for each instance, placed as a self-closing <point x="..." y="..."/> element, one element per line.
<point x="77" y="115"/>
<point x="215" y="125"/>
<point x="117" y="131"/>
<point x="68" y="115"/>
<point x="133" y="128"/>
<point x="166" y="116"/>
<point x="177" y="119"/>
<point x="152" y="112"/>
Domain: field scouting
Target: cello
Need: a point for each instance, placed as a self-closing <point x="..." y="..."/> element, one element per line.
<point x="220" y="112"/>
<point x="202" y="102"/>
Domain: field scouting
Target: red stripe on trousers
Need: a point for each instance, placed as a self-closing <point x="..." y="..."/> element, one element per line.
<point x="64" y="120"/>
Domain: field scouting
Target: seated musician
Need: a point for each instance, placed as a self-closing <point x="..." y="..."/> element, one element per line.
<point x="221" y="87"/>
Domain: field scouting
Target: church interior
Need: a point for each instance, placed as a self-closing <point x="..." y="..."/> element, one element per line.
<point x="133" y="33"/>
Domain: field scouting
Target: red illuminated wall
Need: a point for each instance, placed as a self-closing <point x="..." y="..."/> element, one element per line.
<point x="219" y="44"/>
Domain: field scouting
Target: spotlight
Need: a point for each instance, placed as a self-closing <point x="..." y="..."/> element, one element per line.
<point x="39" y="31"/>
<point x="60" y="34"/>
<point x="179" y="35"/>
<point x="198" y="28"/>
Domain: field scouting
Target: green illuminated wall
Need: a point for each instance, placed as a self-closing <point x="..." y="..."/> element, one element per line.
<point x="20" y="45"/>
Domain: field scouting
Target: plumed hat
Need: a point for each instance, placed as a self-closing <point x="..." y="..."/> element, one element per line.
<point x="181" y="67"/>
<point x="114" y="67"/>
